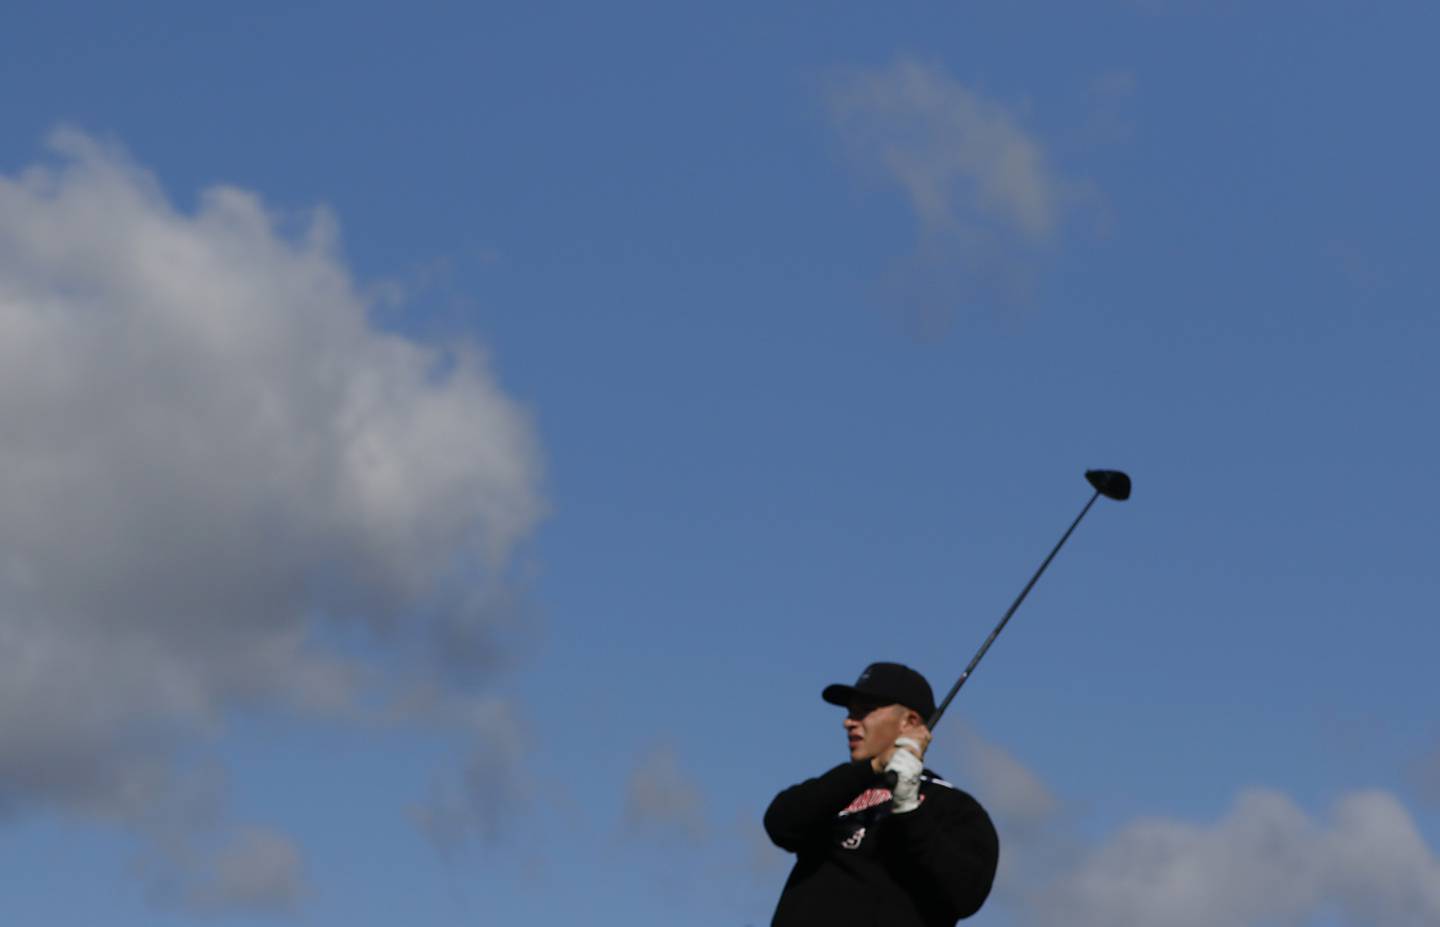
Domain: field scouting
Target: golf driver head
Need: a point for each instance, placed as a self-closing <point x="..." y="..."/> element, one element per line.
<point x="1112" y="484"/>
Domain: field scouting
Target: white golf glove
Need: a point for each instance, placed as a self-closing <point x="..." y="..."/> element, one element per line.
<point x="907" y="767"/>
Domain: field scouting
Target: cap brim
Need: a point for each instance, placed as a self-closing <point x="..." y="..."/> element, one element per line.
<point x="843" y="695"/>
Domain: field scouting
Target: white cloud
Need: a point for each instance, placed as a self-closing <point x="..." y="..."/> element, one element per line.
<point x="212" y="466"/>
<point x="1265" y="862"/>
<point x="662" y="800"/>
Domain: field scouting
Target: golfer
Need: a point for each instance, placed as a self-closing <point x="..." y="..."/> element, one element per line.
<point x="922" y="855"/>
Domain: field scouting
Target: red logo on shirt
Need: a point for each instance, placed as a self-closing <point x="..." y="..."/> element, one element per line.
<point x="867" y="799"/>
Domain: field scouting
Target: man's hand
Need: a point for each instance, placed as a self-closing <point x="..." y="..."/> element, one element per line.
<point x="906" y="767"/>
<point x="918" y="735"/>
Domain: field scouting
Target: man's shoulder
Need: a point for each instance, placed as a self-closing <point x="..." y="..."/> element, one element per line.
<point x="931" y="777"/>
<point x="934" y="785"/>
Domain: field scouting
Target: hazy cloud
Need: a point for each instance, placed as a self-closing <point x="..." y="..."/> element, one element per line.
<point x="1111" y="99"/>
<point x="213" y="467"/>
<point x="1011" y="789"/>
<point x="476" y="803"/>
<point x="1036" y="839"/>
<point x="193" y="859"/>
<point x="662" y="800"/>
<point x="259" y="871"/>
<point x="256" y="871"/>
<point x="1424" y="775"/>
<point x="763" y="860"/>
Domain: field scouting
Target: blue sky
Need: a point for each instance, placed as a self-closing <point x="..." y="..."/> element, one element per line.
<point x="448" y="450"/>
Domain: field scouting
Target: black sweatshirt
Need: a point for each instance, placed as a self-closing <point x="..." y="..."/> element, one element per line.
<point x="859" y="864"/>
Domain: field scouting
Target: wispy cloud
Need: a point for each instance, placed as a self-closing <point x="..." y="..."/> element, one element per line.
<point x="962" y="159"/>
<point x="213" y="466"/>
<point x="982" y="187"/>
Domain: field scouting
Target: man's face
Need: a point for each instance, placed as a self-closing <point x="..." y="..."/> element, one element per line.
<point x="872" y="727"/>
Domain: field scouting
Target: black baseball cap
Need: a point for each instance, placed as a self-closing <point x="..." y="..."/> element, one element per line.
<point x="889" y="683"/>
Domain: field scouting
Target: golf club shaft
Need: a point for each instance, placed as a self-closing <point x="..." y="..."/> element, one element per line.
<point x="940" y="709"/>
<point x="1112" y="484"/>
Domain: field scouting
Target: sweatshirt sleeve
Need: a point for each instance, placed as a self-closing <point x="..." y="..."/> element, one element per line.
<point x="803" y="813"/>
<point x="946" y="852"/>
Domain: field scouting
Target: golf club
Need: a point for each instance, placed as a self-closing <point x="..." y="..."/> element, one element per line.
<point x="1112" y="484"/>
